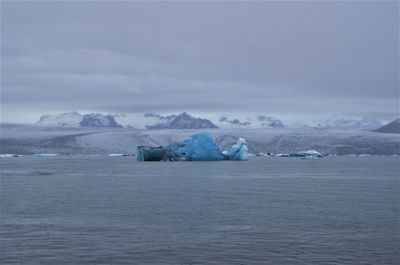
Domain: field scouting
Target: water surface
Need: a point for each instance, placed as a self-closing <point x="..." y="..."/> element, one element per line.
<point x="114" y="210"/>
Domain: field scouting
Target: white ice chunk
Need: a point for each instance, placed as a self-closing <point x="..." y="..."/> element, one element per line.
<point x="239" y="151"/>
<point x="310" y="153"/>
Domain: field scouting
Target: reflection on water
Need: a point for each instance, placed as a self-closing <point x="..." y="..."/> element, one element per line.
<point x="102" y="210"/>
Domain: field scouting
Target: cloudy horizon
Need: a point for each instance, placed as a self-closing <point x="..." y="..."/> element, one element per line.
<point x="293" y="59"/>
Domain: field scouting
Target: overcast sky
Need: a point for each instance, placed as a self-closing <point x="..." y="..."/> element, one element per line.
<point x="289" y="58"/>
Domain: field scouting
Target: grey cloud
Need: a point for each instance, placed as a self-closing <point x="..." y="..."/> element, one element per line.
<point x="263" y="57"/>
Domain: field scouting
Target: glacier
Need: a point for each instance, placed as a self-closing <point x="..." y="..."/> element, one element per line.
<point x="34" y="139"/>
<point x="200" y="147"/>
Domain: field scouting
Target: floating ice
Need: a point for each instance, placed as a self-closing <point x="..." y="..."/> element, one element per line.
<point x="9" y="155"/>
<point x="147" y="153"/>
<point x="282" y="155"/>
<point x="310" y="153"/>
<point x="45" y="154"/>
<point x="239" y="151"/>
<point x="200" y="147"/>
<point x="311" y="158"/>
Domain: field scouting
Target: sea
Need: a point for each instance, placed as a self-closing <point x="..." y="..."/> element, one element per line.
<point x="267" y="210"/>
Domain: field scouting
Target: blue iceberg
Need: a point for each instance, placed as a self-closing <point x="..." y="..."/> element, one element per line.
<point x="200" y="147"/>
<point x="239" y="151"/>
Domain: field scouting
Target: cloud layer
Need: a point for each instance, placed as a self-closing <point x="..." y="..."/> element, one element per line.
<point x="261" y="57"/>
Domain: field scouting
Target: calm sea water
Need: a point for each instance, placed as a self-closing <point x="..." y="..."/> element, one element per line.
<point x="114" y="210"/>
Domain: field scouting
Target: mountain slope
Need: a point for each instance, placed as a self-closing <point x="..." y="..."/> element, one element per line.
<point x="75" y="119"/>
<point x="183" y="121"/>
<point x="348" y="123"/>
<point x="69" y="119"/>
<point x="268" y="121"/>
<point x="391" y="127"/>
<point x="99" y="120"/>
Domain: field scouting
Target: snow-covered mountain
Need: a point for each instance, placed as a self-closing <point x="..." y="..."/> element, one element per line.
<point x="159" y="117"/>
<point x="69" y="119"/>
<point x="75" y="119"/>
<point x="269" y="121"/>
<point x="234" y="121"/>
<point x="99" y="120"/>
<point x="186" y="121"/>
<point x="344" y="123"/>
<point x="181" y="121"/>
<point x="259" y="121"/>
<point x="391" y="127"/>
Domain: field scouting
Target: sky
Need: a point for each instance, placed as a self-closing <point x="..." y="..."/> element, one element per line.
<point x="294" y="59"/>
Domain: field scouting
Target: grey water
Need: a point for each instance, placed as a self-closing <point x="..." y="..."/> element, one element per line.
<point x="115" y="210"/>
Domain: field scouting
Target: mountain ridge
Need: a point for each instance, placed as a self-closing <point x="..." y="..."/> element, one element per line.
<point x="391" y="127"/>
<point x="75" y="119"/>
<point x="183" y="121"/>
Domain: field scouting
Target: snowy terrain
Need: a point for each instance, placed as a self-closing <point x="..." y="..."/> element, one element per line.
<point x="75" y="119"/>
<point x="181" y="121"/>
<point x="347" y="123"/>
<point x="19" y="139"/>
<point x="199" y="121"/>
<point x="259" y="122"/>
<point x="69" y="119"/>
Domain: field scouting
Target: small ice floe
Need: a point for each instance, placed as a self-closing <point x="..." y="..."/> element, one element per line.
<point x="364" y="155"/>
<point x="265" y="154"/>
<point x="117" y="155"/>
<point x="9" y="155"/>
<point x="311" y="157"/>
<point x="282" y="155"/>
<point x="309" y="154"/>
<point x="45" y="154"/>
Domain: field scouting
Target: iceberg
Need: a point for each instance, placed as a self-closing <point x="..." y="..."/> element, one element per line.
<point x="200" y="147"/>
<point x="303" y="154"/>
<point x="239" y="151"/>
<point x="9" y="155"/>
<point x="310" y="153"/>
<point x="311" y="158"/>
<point x="282" y="155"/>
<point x="147" y="153"/>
